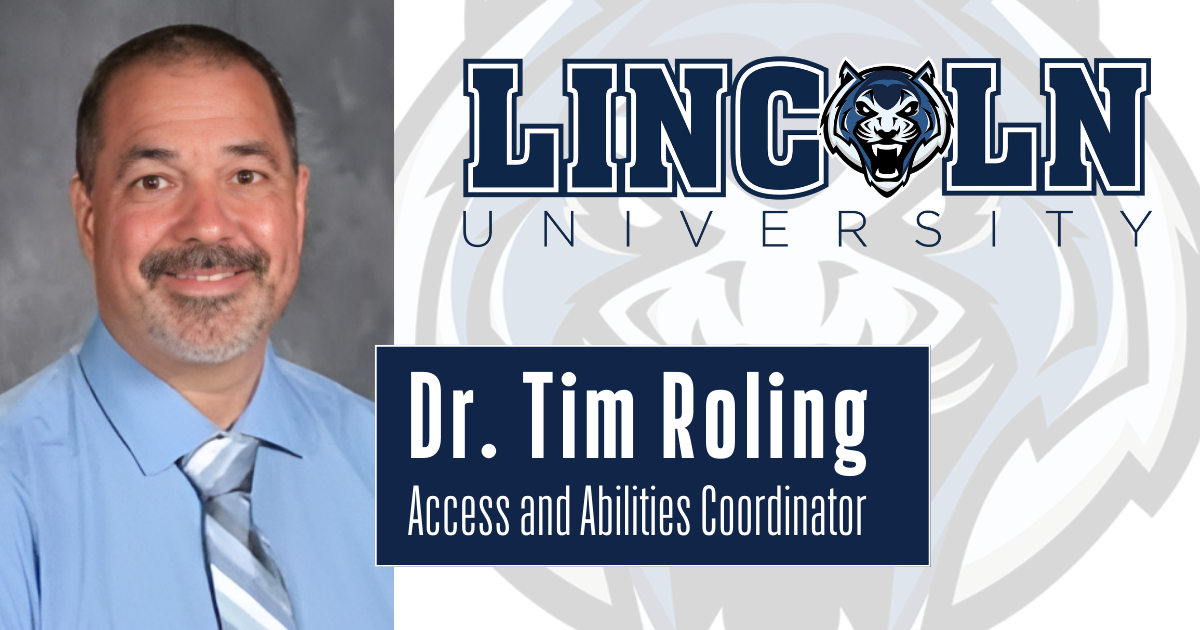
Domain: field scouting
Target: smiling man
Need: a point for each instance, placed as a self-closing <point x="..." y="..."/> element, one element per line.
<point x="172" y="472"/>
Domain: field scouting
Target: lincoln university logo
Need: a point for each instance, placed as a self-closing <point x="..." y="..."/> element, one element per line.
<point x="642" y="128"/>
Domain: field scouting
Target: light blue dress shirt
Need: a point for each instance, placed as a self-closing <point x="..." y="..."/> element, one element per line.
<point x="100" y="529"/>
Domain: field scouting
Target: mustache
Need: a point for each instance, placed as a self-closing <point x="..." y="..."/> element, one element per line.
<point x="173" y="261"/>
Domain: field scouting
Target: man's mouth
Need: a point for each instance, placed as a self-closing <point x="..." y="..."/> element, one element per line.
<point x="204" y="264"/>
<point x="209" y="278"/>
<point x="889" y="159"/>
<point x="223" y="281"/>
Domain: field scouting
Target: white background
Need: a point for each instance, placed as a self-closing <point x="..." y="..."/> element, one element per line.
<point x="1141" y="574"/>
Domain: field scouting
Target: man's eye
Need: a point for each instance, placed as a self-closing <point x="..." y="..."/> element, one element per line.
<point x="863" y="110"/>
<point x="151" y="182"/>
<point x="246" y="177"/>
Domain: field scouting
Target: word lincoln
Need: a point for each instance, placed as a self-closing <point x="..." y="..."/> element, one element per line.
<point x="883" y="121"/>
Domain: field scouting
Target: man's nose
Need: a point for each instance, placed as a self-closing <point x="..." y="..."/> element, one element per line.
<point x="206" y="216"/>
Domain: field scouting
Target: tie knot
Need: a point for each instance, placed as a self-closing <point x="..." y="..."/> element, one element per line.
<point x="223" y="464"/>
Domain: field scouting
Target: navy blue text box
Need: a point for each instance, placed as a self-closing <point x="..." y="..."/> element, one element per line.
<point x="719" y="507"/>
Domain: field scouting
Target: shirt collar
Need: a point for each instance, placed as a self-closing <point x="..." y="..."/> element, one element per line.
<point x="159" y="426"/>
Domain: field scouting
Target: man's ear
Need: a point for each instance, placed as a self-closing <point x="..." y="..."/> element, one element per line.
<point x="85" y="218"/>
<point x="301" y="204"/>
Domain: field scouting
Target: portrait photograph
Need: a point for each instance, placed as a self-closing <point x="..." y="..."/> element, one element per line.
<point x="195" y="268"/>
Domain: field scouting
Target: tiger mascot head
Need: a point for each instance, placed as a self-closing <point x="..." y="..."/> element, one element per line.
<point x="887" y="122"/>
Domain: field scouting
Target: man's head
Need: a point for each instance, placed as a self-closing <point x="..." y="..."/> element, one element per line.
<point x="189" y="197"/>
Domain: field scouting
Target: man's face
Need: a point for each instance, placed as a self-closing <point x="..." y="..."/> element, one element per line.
<point x="195" y="219"/>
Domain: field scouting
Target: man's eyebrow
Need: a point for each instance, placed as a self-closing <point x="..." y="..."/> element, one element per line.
<point x="137" y="153"/>
<point x="254" y="149"/>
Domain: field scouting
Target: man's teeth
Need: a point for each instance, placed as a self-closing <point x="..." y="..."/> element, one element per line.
<point x="888" y="147"/>
<point x="212" y="278"/>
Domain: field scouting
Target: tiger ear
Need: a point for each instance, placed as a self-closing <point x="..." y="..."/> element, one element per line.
<point x="848" y="73"/>
<point x="926" y="74"/>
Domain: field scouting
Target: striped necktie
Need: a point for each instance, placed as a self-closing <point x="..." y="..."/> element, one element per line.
<point x="247" y="587"/>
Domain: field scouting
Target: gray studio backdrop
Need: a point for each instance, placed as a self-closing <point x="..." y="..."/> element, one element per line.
<point x="336" y="61"/>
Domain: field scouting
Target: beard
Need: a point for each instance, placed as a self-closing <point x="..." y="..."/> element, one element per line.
<point x="204" y="329"/>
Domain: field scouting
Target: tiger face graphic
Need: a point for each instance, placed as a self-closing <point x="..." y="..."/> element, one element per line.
<point x="887" y="122"/>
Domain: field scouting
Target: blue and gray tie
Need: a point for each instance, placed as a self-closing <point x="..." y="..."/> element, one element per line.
<point x="247" y="586"/>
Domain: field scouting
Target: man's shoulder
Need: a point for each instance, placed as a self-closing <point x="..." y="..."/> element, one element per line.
<point x="325" y="396"/>
<point x="42" y="398"/>
<point x="347" y="418"/>
<point x="37" y="410"/>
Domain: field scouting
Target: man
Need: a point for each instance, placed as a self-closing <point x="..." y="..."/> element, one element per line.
<point x="172" y="472"/>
